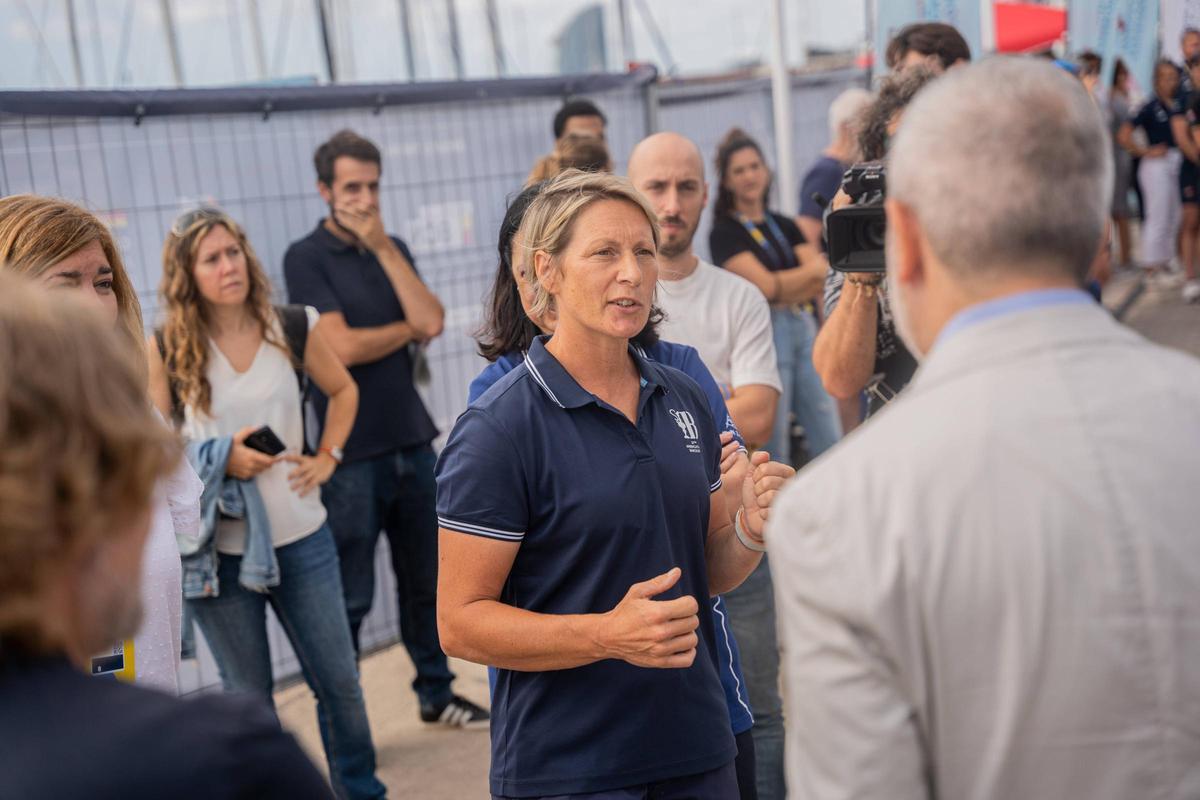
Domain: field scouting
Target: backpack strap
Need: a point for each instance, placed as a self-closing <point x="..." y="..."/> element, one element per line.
<point x="293" y="318"/>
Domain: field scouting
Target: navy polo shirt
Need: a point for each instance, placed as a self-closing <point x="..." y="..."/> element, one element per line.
<point x="686" y="359"/>
<point x="1155" y="119"/>
<point x="823" y="178"/>
<point x="596" y="504"/>
<point x="325" y="272"/>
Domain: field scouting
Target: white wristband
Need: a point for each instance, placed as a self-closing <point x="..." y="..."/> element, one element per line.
<point x="744" y="537"/>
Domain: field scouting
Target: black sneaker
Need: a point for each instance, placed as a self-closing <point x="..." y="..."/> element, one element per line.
<point x="458" y="713"/>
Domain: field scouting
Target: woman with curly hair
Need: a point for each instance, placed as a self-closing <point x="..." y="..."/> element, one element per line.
<point x="229" y="367"/>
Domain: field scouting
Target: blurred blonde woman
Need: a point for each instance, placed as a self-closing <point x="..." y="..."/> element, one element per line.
<point x="67" y="249"/>
<point x="230" y="367"/>
<point x="582" y="151"/>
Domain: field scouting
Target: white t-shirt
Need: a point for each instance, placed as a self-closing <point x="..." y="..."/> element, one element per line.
<point x="265" y="394"/>
<point x="726" y="318"/>
<point x="176" y="514"/>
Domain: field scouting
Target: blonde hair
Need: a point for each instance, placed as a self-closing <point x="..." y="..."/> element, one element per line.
<point x="582" y="151"/>
<point x="185" y="333"/>
<point x="36" y="233"/>
<point x="80" y="447"/>
<point x="545" y="168"/>
<point x="549" y="222"/>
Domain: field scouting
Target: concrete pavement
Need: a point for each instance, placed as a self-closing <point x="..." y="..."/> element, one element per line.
<point x="1159" y="313"/>
<point x="414" y="760"/>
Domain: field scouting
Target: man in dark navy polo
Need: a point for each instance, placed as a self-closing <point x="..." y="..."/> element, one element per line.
<point x="599" y="507"/>
<point x="374" y="305"/>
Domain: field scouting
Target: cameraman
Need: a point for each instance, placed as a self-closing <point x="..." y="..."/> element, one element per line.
<point x="858" y="340"/>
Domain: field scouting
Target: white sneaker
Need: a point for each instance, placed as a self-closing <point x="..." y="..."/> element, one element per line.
<point x="1191" y="291"/>
<point x="1164" y="280"/>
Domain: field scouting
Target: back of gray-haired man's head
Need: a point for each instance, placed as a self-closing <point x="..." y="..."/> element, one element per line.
<point x="1008" y="168"/>
<point x="845" y="108"/>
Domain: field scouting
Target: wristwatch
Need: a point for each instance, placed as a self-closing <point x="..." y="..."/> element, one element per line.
<point x="335" y="452"/>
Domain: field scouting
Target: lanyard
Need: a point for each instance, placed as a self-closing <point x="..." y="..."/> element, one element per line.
<point x="789" y="257"/>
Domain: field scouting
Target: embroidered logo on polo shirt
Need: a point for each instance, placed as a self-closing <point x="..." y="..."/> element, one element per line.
<point x="687" y="424"/>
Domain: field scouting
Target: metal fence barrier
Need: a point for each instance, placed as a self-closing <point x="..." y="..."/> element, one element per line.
<point x="453" y="153"/>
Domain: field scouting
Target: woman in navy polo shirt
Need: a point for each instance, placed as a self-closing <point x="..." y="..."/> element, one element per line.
<point x="1159" y="171"/>
<point x="504" y="338"/>
<point x="582" y="532"/>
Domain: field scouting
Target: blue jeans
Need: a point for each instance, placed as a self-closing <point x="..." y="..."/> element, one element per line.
<point x="803" y="393"/>
<point x="752" y="616"/>
<point x="394" y="492"/>
<point x="307" y="602"/>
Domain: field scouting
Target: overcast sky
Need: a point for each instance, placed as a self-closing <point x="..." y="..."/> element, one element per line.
<point x="122" y="42"/>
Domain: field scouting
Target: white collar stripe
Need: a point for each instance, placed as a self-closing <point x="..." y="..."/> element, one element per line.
<point x="540" y="382"/>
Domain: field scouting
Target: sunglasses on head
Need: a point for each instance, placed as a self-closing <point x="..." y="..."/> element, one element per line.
<point x="189" y="219"/>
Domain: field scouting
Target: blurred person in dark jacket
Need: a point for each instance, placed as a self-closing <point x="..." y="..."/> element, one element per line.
<point x="82" y="453"/>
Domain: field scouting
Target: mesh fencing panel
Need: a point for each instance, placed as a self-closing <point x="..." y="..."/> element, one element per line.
<point x="704" y="112"/>
<point x="450" y="165"/>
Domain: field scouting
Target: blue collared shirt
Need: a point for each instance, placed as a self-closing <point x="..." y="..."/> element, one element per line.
<point x="597" y="504"/>
<point x="1011" y="304"/>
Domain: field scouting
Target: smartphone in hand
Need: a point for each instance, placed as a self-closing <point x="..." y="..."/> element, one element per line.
<point x="264" y="440"/>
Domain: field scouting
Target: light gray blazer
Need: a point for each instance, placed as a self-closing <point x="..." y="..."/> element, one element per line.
<point x="991" y="591"/>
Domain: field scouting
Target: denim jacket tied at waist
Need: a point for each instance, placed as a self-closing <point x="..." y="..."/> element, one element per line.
<point x="230" y="497"/>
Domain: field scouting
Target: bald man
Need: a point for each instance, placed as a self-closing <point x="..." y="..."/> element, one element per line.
<point x="726" y="318"/>
<point x="721" y="314"/>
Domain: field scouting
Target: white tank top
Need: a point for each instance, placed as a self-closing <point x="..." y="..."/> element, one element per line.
<point x="265" y="394"/>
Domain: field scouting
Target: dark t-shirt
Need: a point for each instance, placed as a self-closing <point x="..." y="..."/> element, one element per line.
<point x="823" y="178"/>
<point x="1155" y="119"/>
<point x="66" y="734"/>
<point x="729" y="237"/>
<point x="892" y="359"/>
<point x="1190" y="103"/>
<point x="324" y="272"/>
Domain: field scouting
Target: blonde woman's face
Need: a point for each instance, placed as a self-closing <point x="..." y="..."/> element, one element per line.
<point x="220" y="272"/>
<point x="87" y="274"/>
<point x="608" y="271"/>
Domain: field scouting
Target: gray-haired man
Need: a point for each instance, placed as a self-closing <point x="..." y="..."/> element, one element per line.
<point x="991" y="591"/>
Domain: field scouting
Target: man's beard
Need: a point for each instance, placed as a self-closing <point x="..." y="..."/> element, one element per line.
<point x="680" y="245"/>
<point x="116" y="606"/>
<point x="899" y="309"/>
<point x="902" y="320"/>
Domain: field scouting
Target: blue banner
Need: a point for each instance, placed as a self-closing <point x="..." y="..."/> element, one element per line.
<point x="892" y="15"/>
<point x="1117" y="28"/>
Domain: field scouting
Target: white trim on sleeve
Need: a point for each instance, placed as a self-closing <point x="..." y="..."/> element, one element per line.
<point x="480" y="530"/>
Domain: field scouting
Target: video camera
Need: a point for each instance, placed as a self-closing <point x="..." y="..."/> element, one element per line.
<point x="855" y="233"/>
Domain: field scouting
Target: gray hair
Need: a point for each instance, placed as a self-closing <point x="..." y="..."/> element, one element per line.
<point x="845" y="108"/>
<point x="1007" y="166"/>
